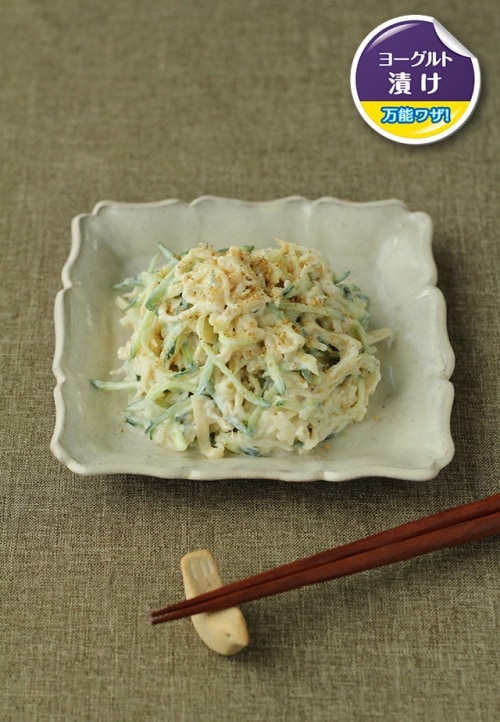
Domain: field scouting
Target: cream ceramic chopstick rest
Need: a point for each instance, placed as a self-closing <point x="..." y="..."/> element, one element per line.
<point x="224" y="631"/>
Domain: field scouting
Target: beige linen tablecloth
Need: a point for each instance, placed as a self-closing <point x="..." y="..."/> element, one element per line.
<point x="140" y="101"/>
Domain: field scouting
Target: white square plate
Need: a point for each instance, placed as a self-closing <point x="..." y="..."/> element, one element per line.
<point x="387" y="248"/>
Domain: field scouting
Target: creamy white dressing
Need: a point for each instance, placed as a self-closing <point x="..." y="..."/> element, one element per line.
<point x="245" y="350"/>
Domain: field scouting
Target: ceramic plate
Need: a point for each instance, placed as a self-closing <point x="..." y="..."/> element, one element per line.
<point x="387" y="249"/>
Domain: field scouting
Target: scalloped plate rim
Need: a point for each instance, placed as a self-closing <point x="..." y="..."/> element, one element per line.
<point x="182" y="468"/>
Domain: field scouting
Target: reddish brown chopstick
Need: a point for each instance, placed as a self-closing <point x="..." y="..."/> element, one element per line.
<point x="452" y="527"/>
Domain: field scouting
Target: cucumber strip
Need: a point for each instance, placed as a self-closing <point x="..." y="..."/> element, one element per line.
<point x="168" y="414"/>
<point x="188" y="357"/>
<point x="238" y="424"/>
<point x="177" y="437"/>
<point x="115" y="385"/>
<point x="167" y="253"/>
<point x="341" y="278"/>
<point x="298" y="308"/>
<point x="170" y="383"/>
<point x="205" y="386"/>
<point x="152" y="265"/>
<point x="305" y="283"/>
<point x="250" y="451"/>
<point x="128" y="284"/>
<point x="143" y="333"/>
<point x="275" y="373"/>
<point x="246" y="393"/>
<point x="157" y="296"/>
<point x="185" y="372"/>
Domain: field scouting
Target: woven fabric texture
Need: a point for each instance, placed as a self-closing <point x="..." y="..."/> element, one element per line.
<point x="159" y="99"/>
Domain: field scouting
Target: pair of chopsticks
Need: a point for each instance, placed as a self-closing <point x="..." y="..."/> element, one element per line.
<point x="445" y="529"/>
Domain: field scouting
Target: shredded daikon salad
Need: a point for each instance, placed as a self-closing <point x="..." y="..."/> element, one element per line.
<point x="245" y="350"/>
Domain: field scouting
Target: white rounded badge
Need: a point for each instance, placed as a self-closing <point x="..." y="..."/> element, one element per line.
<point x="413" y="82"/>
